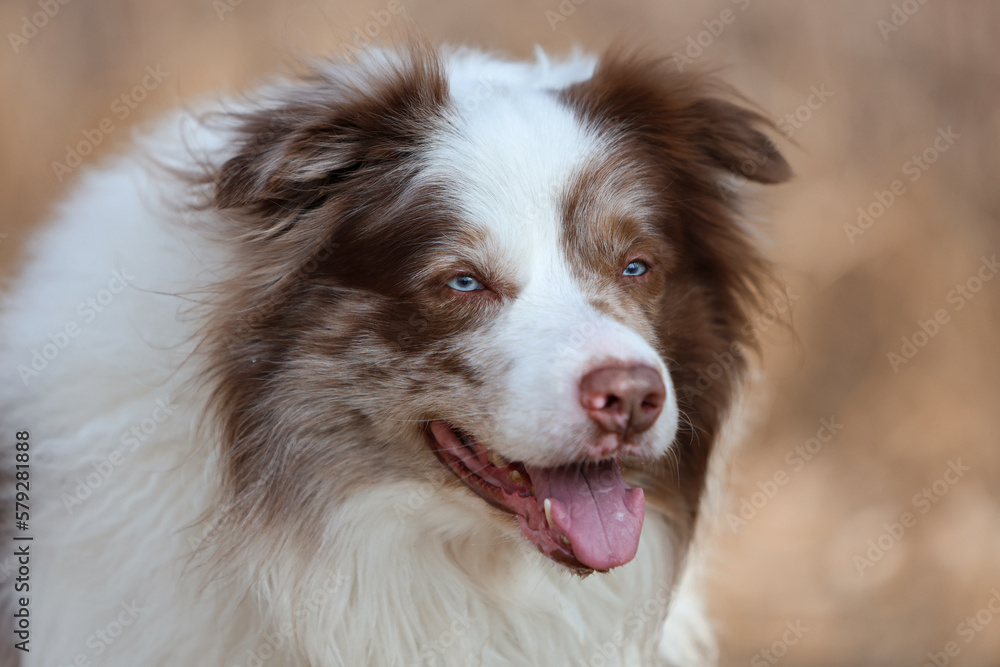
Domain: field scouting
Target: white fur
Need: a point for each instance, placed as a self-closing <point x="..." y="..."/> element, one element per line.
<point x="127" y="544"/>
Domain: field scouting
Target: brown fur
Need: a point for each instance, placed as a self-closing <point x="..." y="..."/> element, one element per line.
<point x="674" y="132"/>
<point x="330" y="348"/>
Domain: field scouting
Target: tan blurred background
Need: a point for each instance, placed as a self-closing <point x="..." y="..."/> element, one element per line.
<point x="868" y="85"/>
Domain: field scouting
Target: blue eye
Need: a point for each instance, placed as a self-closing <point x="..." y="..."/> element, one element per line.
<point x="636" y="268"/>
<point x="465" y="284"/>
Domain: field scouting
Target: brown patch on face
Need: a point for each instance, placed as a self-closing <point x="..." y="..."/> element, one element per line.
<point x="609" y="220"/>
<point x="334" y="338"/>
<point x="673" y="138"/>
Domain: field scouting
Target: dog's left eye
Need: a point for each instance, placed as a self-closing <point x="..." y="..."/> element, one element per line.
<point x="636" y="268"/>
<point x="465" y="284"/>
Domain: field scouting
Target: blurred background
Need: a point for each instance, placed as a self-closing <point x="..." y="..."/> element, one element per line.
<point x="866" y="509"/>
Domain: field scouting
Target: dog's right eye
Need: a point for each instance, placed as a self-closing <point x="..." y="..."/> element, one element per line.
<point x="635" y="268"/>
<point x="465" y="284"/>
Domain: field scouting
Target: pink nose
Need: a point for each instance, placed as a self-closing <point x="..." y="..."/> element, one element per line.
<point x="624" y="400"/>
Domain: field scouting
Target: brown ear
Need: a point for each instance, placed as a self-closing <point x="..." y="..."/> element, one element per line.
<point x="340" y="121"/>
<point x="284" y="151"/>
<point x="685" y="117"/>
<point x="731" y="138"/>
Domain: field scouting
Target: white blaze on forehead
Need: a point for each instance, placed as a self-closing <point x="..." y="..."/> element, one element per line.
<point x="506" y="161"/>
<point x="509" y="151"/>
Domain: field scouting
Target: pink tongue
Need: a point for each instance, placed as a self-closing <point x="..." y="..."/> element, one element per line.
<point x="595" y="509"/>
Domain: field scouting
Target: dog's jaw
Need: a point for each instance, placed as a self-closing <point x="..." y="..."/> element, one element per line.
<point x="582" y="514"/>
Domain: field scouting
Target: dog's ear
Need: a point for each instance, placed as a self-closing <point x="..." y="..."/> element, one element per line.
<point x="339" y="122"/>
<point x="685" y="118"/>
<point x="732" y="139"/>
<point x="284" y="151"/>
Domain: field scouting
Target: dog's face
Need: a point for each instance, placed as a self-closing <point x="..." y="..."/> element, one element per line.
<point x="516" y="294"/>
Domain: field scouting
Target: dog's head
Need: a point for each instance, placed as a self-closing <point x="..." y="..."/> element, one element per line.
<point x="512" y="277"/>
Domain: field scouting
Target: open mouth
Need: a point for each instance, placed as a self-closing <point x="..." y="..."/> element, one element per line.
<point x="581" y="515"/>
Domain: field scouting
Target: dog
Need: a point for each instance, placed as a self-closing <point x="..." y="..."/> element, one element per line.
<point x="421" y="358"/>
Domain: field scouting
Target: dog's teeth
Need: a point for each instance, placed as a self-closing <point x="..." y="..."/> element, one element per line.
<point x="564" y="539"/>
<point x="547" y="504"/>
<point x="516" y="477"/>
<point x="497" y="460"/>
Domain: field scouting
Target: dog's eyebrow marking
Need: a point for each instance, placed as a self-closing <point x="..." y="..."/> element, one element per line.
<point x="605" y="213"/>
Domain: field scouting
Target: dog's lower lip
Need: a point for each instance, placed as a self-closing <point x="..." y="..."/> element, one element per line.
<point x="515" y="497"/>
<point x="584" y="516"/>
<point x="481" y="464"/>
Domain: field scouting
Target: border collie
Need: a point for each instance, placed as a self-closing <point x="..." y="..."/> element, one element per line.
<point x="418" y="359"/>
